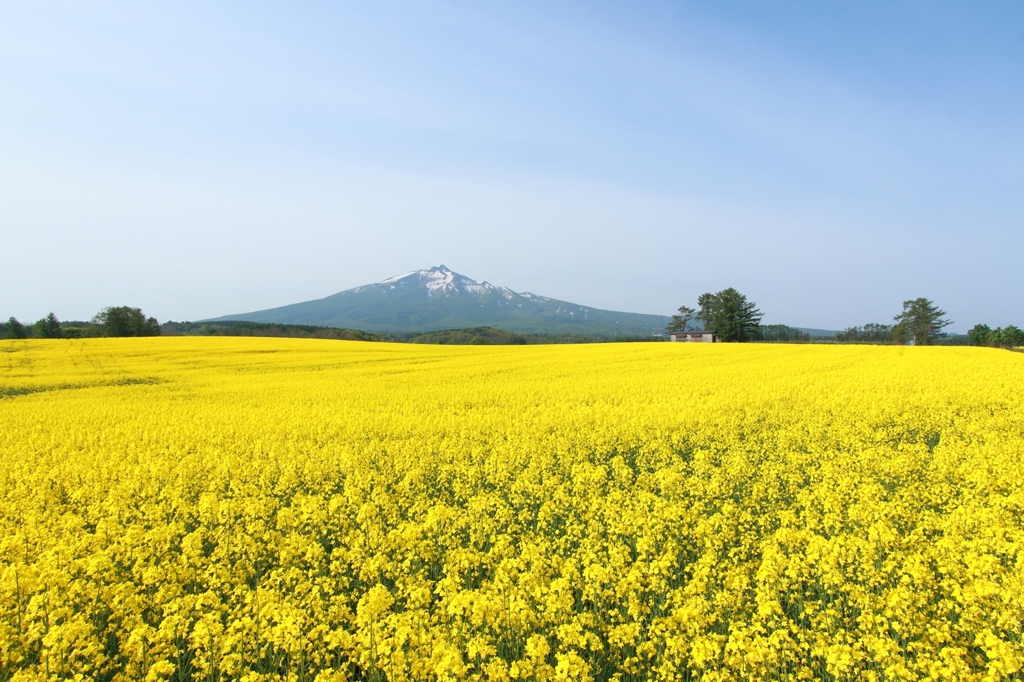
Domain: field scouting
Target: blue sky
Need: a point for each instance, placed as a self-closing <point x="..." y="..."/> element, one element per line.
<point x="830" y="160"/>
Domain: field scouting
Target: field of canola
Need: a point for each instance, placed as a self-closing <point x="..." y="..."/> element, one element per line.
<point x="257" y="509"/>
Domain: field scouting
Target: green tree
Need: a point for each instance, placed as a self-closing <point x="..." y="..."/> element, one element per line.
<point x="781" y="333"/>
<point x="126" y="321"/>
<point x="47" y="328"/>
<point x="922" y="321"/>
<point x="849" y="335"/>
<point x="681" y="321"/>
<point x="979" y="334"/>
<point x="877" y="333"/>
<point x="1007" y="337"/>
<point x="869" y="333"/>
<point x="730" y="315"/>
<point x="1015" y="336"/>
<point x="706" y="304"/>
<point x="15" y="329"/>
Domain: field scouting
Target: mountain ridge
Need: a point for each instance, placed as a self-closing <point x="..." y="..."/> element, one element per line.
<point x="438" y="298"/>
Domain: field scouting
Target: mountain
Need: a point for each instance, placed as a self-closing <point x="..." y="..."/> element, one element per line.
<point x="429" y="300"/>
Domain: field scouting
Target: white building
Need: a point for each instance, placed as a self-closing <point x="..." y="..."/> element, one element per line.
<point x="702" y="336"/>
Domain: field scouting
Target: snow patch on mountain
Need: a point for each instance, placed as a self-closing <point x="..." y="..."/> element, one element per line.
<point x="396" y="278"/>
<point x="441" y="281"/>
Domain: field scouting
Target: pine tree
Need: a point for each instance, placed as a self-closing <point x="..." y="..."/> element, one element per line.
<point x="922" y="321"/>
<point x="15" y="329"/>
<point x="682" y="320"/>
<point x="47" y="328"/>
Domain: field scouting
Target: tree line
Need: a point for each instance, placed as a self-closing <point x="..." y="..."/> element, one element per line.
<point x="1000" y="337"/>
<point x="728" y="313"/>
<point x="733" y="318"/>
<point x="127" y="321"/>
<point x="488" y="336"/>
<point x="921" y="322"/>
<point x="111" y="321"/>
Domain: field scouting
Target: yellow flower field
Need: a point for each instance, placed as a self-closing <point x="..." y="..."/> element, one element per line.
<point x="256" y="509"/>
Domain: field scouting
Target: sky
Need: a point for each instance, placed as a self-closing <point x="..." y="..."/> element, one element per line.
<point x="829" y="160"/>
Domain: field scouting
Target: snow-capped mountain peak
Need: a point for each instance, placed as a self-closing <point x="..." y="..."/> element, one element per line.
<point x="440" y="280"/>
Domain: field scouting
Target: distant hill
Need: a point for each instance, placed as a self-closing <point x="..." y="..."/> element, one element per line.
<point x="818" y="333"/>
<point x="437" y="299"/>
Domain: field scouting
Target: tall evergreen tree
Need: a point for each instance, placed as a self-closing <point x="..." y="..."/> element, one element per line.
<point x="706" y="303"/>
<point x="734" y="317"/>
<point x="681" y="321"/>
<point x="47" y="328"/>
<point x="922" y="321"/>
<point x="15" y="329"/>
